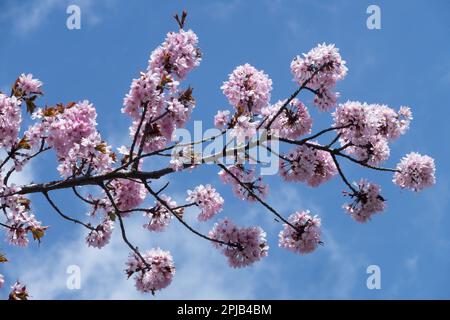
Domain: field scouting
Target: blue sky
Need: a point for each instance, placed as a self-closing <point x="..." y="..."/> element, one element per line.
<point x="407" y="62"/>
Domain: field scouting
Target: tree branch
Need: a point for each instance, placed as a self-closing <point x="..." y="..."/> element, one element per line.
<point x="172" y="210"/>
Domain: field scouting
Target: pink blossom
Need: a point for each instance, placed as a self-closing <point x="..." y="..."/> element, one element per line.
<point x="158" y="93"/>
<point x="248" y="89"/>
<point x="10" y="120"/>
<point x="207" y="199"/>
<point x="70" y="126"/>
<point x="305" y="237"/>
<point x="100" y="237"/>
<point x="159" y="215"/>
<point x="244" y="129"/>
<point x="321" y="68"/>
<point x="2" y="281"/>
<point x="143" y="90"/>
<point x="128" y="194"/>
<point x="158" y="276"/>
<point x="221" y="119"/>
<point x="415" y="172"/>
<point x="18" y="292"/>
<point x="374" y="152"/>
<point x="325" y="98"/>
<point x="367" y="201"/>
<point x="71" y="131"/>
<point x="28" y="85"/>
<point x="291" y="123"/>
<point x="179" y="54"/>
<point x="19" y="218"/>
<point x="366" y="129"/>
<point x="96" y="154"/>
<point x="251" y="241"/>
<point x="307" y="164"/>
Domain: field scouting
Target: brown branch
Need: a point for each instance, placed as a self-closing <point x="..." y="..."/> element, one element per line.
<point x="122" y="226"/>
<point x="50" y="201"/>
<point x="341" y="173"/>
<point x="292" y="97"/>
<point x="81" y="197"/>
<point x="136" y="134"/>
<point x="172" y="210"/>
<point x="90" y="180"/>
<point x="265" y="204"/>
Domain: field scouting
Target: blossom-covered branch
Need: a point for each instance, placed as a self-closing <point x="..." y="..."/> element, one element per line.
<point x="114" y="185"/>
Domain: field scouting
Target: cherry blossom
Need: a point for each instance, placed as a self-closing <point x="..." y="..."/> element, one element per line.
<point x="156" y="98"/>
<point x="321" y="68"/>
<point x="10" y="120"/>
<point x="18" y="292"/>
<point x="2" y="281"/>
<point x="179" y="54"/>
<point x="415" y="172"/>
<point x="159" y="215"/>
<point x="159" y="274"/>
<point x="248" y="89"/>
<point x="251" y="241"/>
<point x="307" y="164"/>
<point x="292" y="122"/>
<point x="28" y="86"/>
<point x="221" y="119"/>
<point x="367" y="201"/>
<point x="100" y="236"/>
<point x="128" y="194"/>
<point x="305" y="237"/>
<point x="245" y="128"/>
<point x="207" y="199"/>
<point x="366" y="129"/>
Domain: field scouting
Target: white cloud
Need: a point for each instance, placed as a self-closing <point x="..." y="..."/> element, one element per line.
<point x="202" y="272"/>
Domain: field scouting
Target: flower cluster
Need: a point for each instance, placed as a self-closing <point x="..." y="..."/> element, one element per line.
<point x="2" y="281"/>
<point x="319" y="70"/>
<point x="307" y="164"/>
<point x="249" y="185"/>
<point x="222" y="119"/>
<point x="248" y="89"/>
<point x="244" y="128"/>
<point x="100" y="236"/>
<point x="160" y="216"/>
<point x="155" y="102"/>
<point x="248" y="244"/>
<point x="292" y="122"/>
<point x="415" y="172"/>
<point x="366" y="129"/>
<point x="19" y="219"/>
<point x="156" y="274"/>
<point x="27" y="86"/>
<point x="71" y="130"/>
<point x="305" y="237"/>
<point x="128" y="194"/>
<point x="207" y="199"/>
<point x="18" y="292"/>
<point x="367" y="201"/>
<point x="10" y="119"/>
<point x="179" y="54"/>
